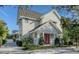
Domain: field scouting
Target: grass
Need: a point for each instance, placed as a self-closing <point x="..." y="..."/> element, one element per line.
<point x="37" y="47"/>
<point x="33" y="47"/>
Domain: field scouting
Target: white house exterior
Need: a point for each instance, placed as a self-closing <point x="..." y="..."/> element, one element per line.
<point x="36" y="24"/>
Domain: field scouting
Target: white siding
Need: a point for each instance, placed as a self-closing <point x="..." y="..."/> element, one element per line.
<point x="52" y="16"/>
<point x="47" y="28"/>
<point x="37" y="23"/>
<point x="26" y="26"/>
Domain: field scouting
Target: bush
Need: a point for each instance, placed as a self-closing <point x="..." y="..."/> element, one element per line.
<point x="14" y="40"/>
<point x="19" y="42"/>
<point x="70" y="43"/>
<point x="3" y="42"/>
<point x="57" y="42"/>
<point x="66" y="36"/>
<point x="27" y="43"/>
<point x="31" y="47"/>
<point x="0" y="41"/>
<point x="41" y="41"/>
<point x="65" y="43"/>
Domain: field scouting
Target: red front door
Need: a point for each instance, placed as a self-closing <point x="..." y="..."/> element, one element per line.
<point x="47" y="38"/>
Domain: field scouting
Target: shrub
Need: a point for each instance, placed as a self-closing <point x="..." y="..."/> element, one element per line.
<point x="31" y="47"/>
<point x="66" y="36"/>
<point x="3" y="42"/>
<point x="57" y="42"/>
<point x="19" y="42"/>
<point x="0" y="41"/>
<point x="70" y="43"/>
<point x="14" y="40"/>
<point x="27" y="43"/>
<point x="41" y="41"/>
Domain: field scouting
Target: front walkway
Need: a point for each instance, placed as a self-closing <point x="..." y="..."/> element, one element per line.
<point x="11" y="48"/>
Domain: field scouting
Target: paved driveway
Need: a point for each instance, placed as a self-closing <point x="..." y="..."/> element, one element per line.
<point x="11" y="48"/>
<point x="10" y="43"/>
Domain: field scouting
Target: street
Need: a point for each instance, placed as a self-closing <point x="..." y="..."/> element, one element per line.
<point x="11" y="48"/>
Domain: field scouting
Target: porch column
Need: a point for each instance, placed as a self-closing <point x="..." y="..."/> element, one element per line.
<point x="51" y="39"/>
<point x="36" y="39"/>
<point x="43" y="35"/>
<point x="54" y="39"/>
<point x="33" y="35"/>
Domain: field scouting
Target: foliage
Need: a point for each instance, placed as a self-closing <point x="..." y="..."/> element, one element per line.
<point x="66" y="37"/>
<point x="73" y="9"/>
<point x="75" y="33"/>
<point x="3" y="42"/>
<point x="57" y="42"/>
<point x="27" y="43"/>
<point x="41" y="40"/>
<point x="0" y="41"/>
<point x="14" y="37"/>
<point x="66" y="26"/>
<point x="19" y="42"/>
<point x="3" y="31"/>
<point x="66" y="22"/>
<point x="70" y="30"/>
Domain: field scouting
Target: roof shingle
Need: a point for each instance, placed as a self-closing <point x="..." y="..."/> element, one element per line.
<point x="29" y="13"/>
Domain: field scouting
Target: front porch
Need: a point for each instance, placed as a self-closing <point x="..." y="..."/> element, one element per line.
<point x="46" y="38"/>
<point x="46" y="32"/>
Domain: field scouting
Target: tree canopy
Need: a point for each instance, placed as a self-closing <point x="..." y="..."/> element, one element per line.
<point x="3" y="29"/>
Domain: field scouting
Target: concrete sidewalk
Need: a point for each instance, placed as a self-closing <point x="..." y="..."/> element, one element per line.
<point x="18" y="50"/>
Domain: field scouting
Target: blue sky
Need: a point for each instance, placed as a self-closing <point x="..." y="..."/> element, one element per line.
<point x="9" y="14"/>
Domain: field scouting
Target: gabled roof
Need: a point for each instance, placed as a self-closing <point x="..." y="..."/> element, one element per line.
<point x="57" y="14"/>
<point x="52" y="24"/>
<point x="29" y="13"/>
<point x="52" y="11"/>
<point x="38" y="26"/>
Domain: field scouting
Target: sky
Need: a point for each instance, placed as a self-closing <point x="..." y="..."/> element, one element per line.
<point x="9" y="14"/>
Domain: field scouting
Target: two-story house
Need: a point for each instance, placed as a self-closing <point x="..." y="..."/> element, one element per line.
<point x="36" y="25"/>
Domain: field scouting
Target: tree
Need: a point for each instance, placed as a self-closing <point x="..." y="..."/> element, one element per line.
<point x="66" y="25"/>
<point x="74" y="33"/>
<point x="66" y="10"/>
<point x="66" y="37"/>
<point x="3" y="30"/>
<point x="66" y="22"/>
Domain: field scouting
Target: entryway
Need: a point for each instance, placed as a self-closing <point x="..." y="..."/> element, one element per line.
<point x="47" y="38"/>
